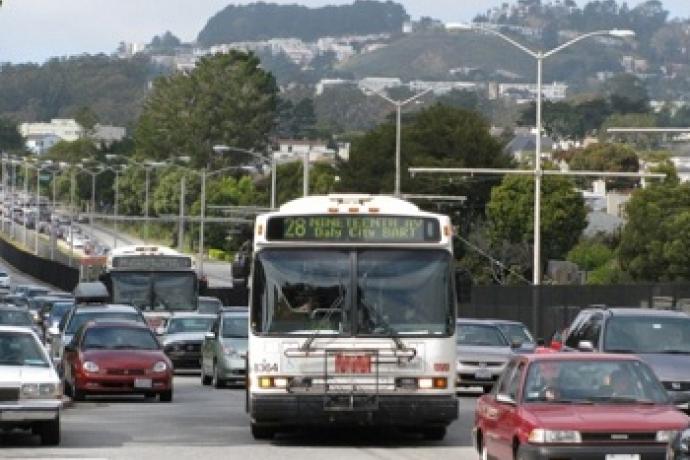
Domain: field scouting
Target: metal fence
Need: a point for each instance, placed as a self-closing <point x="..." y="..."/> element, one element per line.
<point x="545" y="309"/>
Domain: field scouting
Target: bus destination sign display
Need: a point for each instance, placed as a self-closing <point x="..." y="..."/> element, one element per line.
<point x="151" y="263"/>
<point x="347" y="229"/>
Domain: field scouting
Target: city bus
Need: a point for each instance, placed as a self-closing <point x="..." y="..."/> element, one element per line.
<point x="352" y="317"/>
<point x="158" y="280"/>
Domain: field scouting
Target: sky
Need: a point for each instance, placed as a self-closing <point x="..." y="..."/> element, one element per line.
<point x="35" y="30"/>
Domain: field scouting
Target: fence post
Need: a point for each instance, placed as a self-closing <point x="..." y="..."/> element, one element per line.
<point x="536" y="303"/>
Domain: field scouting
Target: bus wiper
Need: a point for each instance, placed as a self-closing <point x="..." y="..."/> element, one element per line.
<point x="387" y="328"/>
<point x="676" y="352"/>
<point x="335" y="306"/>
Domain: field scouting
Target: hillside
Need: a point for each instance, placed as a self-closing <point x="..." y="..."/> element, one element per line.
<point x="263" y="21"/>
<point x="430" y="55"/>
<point x="113" y="88"/>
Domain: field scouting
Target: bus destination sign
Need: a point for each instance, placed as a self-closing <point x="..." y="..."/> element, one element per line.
<point x="360" y="229"/>
<point x="151" y="263"/>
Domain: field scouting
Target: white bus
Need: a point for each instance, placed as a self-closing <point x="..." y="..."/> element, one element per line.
<point x="157" y="279"/>
<point x="352" y="317"/>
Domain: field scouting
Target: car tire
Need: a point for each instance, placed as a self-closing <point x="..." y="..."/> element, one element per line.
<point x="206" y="380"/>
<point x="166" y="396"/>
<point x="260" y="432"/>
<point x="435" y="433"/>
<point x="49" y="432"/>
<point x="217" y="381"/>
<point x="77" y="394"/>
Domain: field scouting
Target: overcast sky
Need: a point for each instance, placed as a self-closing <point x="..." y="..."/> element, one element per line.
<point x="34" y="30"/>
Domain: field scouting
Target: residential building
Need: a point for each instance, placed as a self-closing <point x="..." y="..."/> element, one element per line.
<point x="441" y="87"/>
<point x="523" y="147"/>
<point x="289" y="150"/>
<point x="66" y="129"/>
<point x="378" y="84"/>
<point x="326" y="83"/>
<point x="527" y="92"/>
<point x="42" y="136"/>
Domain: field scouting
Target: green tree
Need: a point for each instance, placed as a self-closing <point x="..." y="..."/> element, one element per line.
<point x="227" y="99"/>
<point x="655" y="243"/>
<point x="563" y="214"/>
<point x="290" y="177"/>
<point x="73" y="152"/>
<point x="86" y="118"/>
<point x="590" y="255"/>
<point x="610" y="158"/>
<point x="10" y="139"/>
<point x="627" y="94"/>
<point x="630" y="120"/>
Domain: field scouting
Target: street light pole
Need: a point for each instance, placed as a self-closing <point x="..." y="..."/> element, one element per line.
<point x="115" y="204"/>
<point x="202" y="216"/>
<point x="305" y="174"/>
<point x="146" y="205"/>
<point x="273" y="180"/>
<point x="53" y="236"/>
<point x="180" y="233"/>
<point x="26" y="194"/>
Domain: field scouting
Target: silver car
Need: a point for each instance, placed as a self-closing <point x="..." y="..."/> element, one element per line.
<point x="184" y="333"/>
<point x="484" y="349"/>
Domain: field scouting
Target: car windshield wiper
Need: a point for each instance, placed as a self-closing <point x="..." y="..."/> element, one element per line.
<point x="334" y="307"/>
<point x="620" y="400"/>
<point x="620" y="350"/>
<point x="676" y="352"/>
<point x="94" y="347"/>
<point x="387" y="328"/>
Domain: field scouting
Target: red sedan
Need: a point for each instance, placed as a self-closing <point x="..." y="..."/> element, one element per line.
<point x="576" y="406"/>
<point x="117" y="358"/>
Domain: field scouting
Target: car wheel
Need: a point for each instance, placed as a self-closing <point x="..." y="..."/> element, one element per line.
<point x="77" y="394"/>
<point x="436" y="433"/>
<point x="262" y="432"/>
<point x="49" y="432"/>
<point x="217" y="381"/>
<point x="205" y="379"/>
<point x="166" y="396"/>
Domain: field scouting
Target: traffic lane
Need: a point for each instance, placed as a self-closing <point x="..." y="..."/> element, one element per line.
<point x="205" y="421"/>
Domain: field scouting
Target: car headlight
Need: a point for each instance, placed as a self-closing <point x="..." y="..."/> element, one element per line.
<point x="229" y="351"/>
<point x="41" y="390"/>
<point x="542" y="436"/>
<point x="666" y="436"/>
<point x="90" y="366"/>
<point x="160" y="366"/>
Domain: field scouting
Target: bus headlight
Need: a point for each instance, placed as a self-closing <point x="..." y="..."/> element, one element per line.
<point x="273" y="382"/>
<point x="433" y="383"/>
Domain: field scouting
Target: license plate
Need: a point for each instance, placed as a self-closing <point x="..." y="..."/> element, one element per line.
<point x="622" y="456"/>
<point x="352" y="364"/>
<point x="483" y="374"/>
<point x="143" y="383"/>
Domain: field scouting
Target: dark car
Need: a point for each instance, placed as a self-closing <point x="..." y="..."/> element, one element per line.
<point x="576" y="406"/>
<point x="116" y="358"/>
<point x="16" y="316"/>
<point x="661" y="338"/>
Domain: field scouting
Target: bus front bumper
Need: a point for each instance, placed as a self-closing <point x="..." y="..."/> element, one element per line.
<point x="389" y="410"/>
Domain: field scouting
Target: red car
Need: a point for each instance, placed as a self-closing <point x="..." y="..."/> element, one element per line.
<point x="117" y="358"/>
<point x="576" y="406"/>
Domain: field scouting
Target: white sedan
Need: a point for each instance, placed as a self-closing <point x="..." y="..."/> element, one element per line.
<point x="4" y="280"/>
<point x="30" y="390"/>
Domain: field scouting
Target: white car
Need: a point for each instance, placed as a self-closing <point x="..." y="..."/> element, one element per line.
<point x="30" y="390"/>
<point x="4" y="280"/>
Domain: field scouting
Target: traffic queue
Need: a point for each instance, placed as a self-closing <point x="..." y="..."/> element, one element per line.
<point x="613" y="384"/>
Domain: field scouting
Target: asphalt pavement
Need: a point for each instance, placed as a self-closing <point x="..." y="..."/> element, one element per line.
<point x="203" y="422"/>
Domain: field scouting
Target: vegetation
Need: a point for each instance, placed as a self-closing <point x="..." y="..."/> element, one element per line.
<point x="262" y="21"/>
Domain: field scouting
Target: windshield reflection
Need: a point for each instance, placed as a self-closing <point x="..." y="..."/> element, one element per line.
<point x="155" y="291"/>
<point x="645" y="334"/>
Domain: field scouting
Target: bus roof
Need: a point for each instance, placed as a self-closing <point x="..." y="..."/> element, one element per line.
<point x="323" y="204"/>
<point x="144" y="249"/>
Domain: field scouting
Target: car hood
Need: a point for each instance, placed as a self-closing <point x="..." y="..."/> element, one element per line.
<point x="183" y="337"/>
<point x="668" y="367"/>
<point x="473" y="353"/>
<point x="238" y="344"/>
<point x="125" y="358"/>
<point x="27" y="374"/>
<point x="605" y="417"/>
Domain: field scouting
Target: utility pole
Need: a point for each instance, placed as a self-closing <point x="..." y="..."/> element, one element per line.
<point x="180" y="233"/>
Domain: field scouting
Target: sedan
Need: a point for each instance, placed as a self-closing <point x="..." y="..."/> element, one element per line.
<point x="576" y="406"/>
<point x="30" y="392"/>
<point x="117" y="358"/>
<point x="182" y="338"/>
<point x="224" y="351"/>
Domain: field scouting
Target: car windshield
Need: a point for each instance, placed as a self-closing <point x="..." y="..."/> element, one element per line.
<point x="235" y="327"/>
<point x="156" y="291"/>
<point x="480" y="335"/>
<point x="36" y="292"/>
<point x="59" y="310"/>
<point x="80" y="318"/>
<point x="209" y="306"/>
<point x="178" y="325"/>
<point x="119" y="338"/>
<point x="19" y="349"/>
<point x="15" y="318"/>
<point x="516" y="332"/>
<point x="592" y="381"/>
<point x="647" y="334"/>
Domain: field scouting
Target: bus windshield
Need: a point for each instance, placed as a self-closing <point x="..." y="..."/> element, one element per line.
<point x="396" y="292"/>
<point x="167" y="291"/>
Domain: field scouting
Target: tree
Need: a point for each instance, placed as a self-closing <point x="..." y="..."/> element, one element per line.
<point x="627" y="94"/>
<point x="86" y="118"/>
<point x="563" y="214"/>
<point x="73" y="152"/>
<point x="610" y="158"/>
<point x="227" y="99"/>
<point x="10" y="139"/>
<point x="290" y="177"/>
<point x="655" y="243"/>
<point x="590" y="255"/>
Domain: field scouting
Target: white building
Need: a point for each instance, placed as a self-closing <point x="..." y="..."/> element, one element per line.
<point x="295" y="149"/>
<point x="65" y="128"/>
<point x="378" y="84"/>
<point x="326" y="83"/>
<point x="38" y="144"/>
<point x="526" y="92"/>
<point x="441" y="87"/>
<point x="42" y="136"/>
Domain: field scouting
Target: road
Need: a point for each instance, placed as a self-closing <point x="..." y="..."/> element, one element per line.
<point x="203" y="422"/>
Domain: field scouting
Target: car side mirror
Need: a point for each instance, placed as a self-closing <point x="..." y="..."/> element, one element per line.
<point x="585" y="345"/>
<point x="515" y="344"/>
<point x="505" y="399"/>
<point x="541" y="342"/>
<point x="210" y="335"/>
<point x="54" y="331"/>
